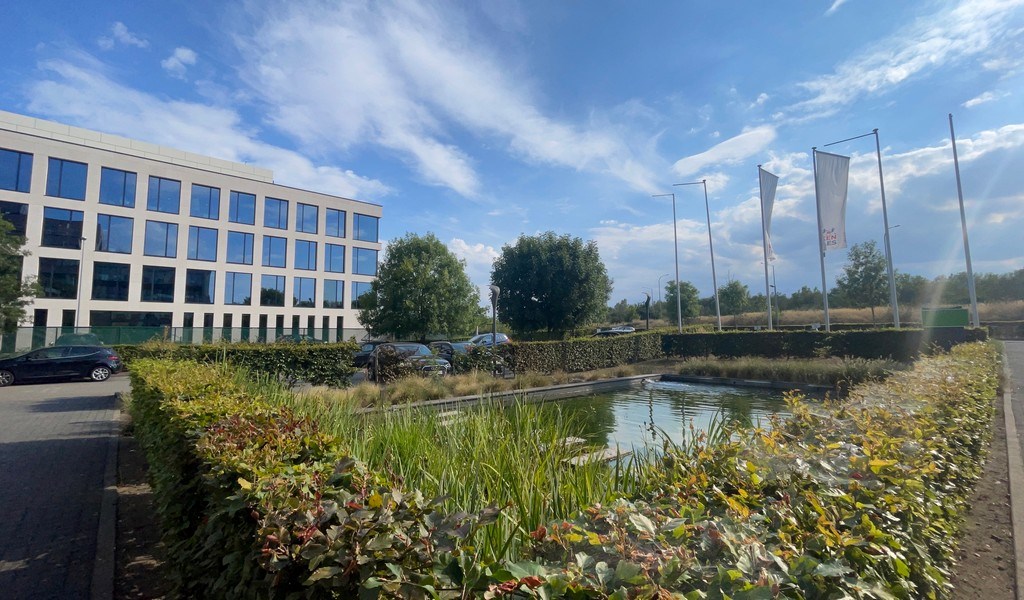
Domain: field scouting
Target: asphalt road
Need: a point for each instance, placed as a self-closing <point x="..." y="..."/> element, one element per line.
<point x="57" y="443"/>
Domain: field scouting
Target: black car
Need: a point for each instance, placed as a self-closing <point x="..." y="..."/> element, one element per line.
<point x="79" y="339"/>
<point x="60" y="362"/>
<point x="416" y="356"/>
<point x="362" y="356"/>
<point x="448" y="350"/>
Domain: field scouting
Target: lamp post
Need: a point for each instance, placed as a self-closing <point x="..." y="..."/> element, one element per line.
<point x="711" y="245"/>
<point x="647" y="305"/>
<point x="675" y="239"/>
<point x="495" y="291"/>
<point x="659" y="284"/>
<point x="78" y="294"/>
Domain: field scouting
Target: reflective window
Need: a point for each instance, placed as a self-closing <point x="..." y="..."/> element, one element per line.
<point x="334" y="293"/>
<point x="114" y="234"/>
<point x="240" y="247"/>
<point x="335" y="223"/>
<point x="358" y="289"/>
<point x="117" y="187"/>
<point x="110" y="281"/>
<point x="242" y="208"/>
<point x="15" y="170"/>
<point x="238" y="288"/>
<point x="199" y="286"/>
<point x="205" y="202"/>
<point x="305" y="292"/>
<point x="364" y="261"/>
<point x="161" y="239"/>
<point x="272" y="290"/>
<point x="62" y="228"/>
<point x="305" y="255"/>
<point x="275" y="251"/>
<point x="334" y="258"/>
<point x="66" y="179"/>
<point x="164" y="195"/>
<point x="365" y="228"/>
<point x="202" y="243"/>
<point x="275" y="213"/>
<point x="306" y="217"/>
<point x="16" y="214"/>
<point x="158" y="284"/>
<point x="58" y="277"/>
<point x="127" y="318"/>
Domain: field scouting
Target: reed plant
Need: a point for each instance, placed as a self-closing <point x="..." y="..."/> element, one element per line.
<point x="827" y="371"/>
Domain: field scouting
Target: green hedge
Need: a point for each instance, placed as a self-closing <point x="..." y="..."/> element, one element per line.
<point x="319" y="364"/>
<point x="581" y="354"/>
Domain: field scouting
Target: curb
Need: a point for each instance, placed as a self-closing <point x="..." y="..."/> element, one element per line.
<point x="1015" y="462"/>
<point x="102" y="587"/>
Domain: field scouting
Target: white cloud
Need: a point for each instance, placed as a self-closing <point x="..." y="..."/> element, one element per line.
<point x="479" y="262"/>
<point x="761" y="99"/>
<point x="178" y="62"/>
<point x="120" y="33"/>
<point x="835" y="6"/>
<point x="731" y="151"/>
<point x="983" y="98"/>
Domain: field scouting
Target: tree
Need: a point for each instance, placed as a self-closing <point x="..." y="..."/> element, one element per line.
<point x="15" y="294"/>
<point x="623" y="312"/>
<point x="421" y="289"/>
<point x="689" y="301"/>
<point x="549" y="282"/>
<point x="911" y="290"/>
<point x="863" y="282"/>
<point x="733" y="298"/>
<point x="803" y="299"/>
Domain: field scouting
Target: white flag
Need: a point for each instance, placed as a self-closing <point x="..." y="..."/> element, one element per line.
<point x="768" y="184"/>
<point x="830" y="185"/>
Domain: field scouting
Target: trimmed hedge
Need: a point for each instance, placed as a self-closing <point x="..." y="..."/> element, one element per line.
<point x="581" y="354"/>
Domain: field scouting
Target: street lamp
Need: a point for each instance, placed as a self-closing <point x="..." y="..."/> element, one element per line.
<point x="711" y="245"/>
<point x="659" y="285"/>
<point x="675" y="239"/>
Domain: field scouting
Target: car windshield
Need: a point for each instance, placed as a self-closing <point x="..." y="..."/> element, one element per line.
<point x="412" y="349"/>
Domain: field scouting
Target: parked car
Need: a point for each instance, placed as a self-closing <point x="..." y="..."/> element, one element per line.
<point x="362" y="356"/>
<point x="60" y="362"/>
<point x="415" y="356"/>
<point x="79" y="339"/>
<point x="298" y="338"/>
<point x="620" y="330"/>
<point x="485" y="339"/>
<point x="448" y="350"/>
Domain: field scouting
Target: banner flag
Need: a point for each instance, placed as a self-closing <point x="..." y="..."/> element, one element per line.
<point x="830" y="184"/>
<point x="769" y="183"/>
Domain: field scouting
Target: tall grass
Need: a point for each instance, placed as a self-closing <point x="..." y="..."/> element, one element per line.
<point x="833" y="371"/>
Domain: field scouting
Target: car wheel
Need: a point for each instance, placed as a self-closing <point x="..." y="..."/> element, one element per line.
<point x="100" y="373"/>
<point x="6" y="378"/>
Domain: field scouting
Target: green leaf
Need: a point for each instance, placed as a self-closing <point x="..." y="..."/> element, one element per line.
<point x="642" y="523"/>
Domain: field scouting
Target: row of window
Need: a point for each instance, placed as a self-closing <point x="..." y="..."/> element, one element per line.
<point x="58" y="278"/>
<point x="66" y="179"/>
<point x="62" y="228"/>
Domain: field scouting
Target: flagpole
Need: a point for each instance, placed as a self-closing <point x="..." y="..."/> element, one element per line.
<point x="888" y="247"/>
<point x="711" y="245"/>
<point x="975" y="320"/>
<point x="821" y="239"/>
<point x="764" y="244"/>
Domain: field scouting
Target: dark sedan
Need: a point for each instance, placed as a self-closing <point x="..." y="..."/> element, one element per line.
<point x="448" y="350"/>
<point x="60" y="362"/>
<point x="362" y="356"/>
<point x="408" y="355"/>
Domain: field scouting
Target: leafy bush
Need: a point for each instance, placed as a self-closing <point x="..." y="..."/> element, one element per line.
<point x="573" y="356"/>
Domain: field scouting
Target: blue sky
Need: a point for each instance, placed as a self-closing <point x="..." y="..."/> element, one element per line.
<point x="483" y="121"/>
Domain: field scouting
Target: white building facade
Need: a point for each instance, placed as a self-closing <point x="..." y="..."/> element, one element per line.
<point x="127" y="234"/>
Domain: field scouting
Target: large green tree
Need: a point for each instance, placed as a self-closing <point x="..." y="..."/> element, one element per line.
<point x="623" y="312"/>
<point x="15" y="294"/>
<point x="863" y="282"/>
<point x="733" y="298"/>
<point x="421" y="289"/>
<point x="689" y="301"/>
<point x="550" y="282"/>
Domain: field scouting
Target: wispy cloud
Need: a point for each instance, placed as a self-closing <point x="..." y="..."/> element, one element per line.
<point x="119" y="33"/>
<point x="732" y="151"/>
<point x="983" y="98"/>
<point x="178" y="62"/>
<point x="835" y="6"/>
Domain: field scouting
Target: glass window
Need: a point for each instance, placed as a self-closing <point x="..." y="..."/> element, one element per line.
<point x="240" y="247"/>
<point x="164" y="195"/>
<point x="306" y="218"/>
<point x="62" y="228"/>
<point x="275" y="213"/>
<point x="205" y="202"/>
<point x="58" y="277"/>
<point x="335" y="222"/>
<point x="272" y="290"/>
<point x="305" y="292"/>
<point x="66" y="179"/>
<point x="334" y="293"/>
<point x="117" y="187"/>
<point x="365" y="228"/>
<point x="202" y="243"/>
<point x="15" y="170"/>
<point x="110" y="281"/>
<point x="157" y="284"/>
<point x="364" y="261"/>
<point x="242" y="208"/>
<point x="358" y="289"/>
<point x="199" y="286"/>
<point x="334" y="261"/>
<point x="238" y="288"/>
<point x="161" y="239"/>
<point x="114" y="234"/>
<point x="127" y="318"/>
<point x="275" y="251"/>
<point x="305" y="255"/>
<point x="16" y="214"/>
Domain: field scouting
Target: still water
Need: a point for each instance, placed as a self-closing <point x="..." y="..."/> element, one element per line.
<point x="644" y="414"/>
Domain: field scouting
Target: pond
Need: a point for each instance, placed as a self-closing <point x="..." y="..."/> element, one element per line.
<point x="644" y="414"/>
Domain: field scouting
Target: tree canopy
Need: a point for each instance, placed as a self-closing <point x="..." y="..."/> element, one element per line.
<point x="421" y="289"/>
<point x="549" y="282"/>
<point x="14" y="293"/>
<point x="863" y="282"/>
<point x="733" y="298"/>
<point x="689" y="301"/>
